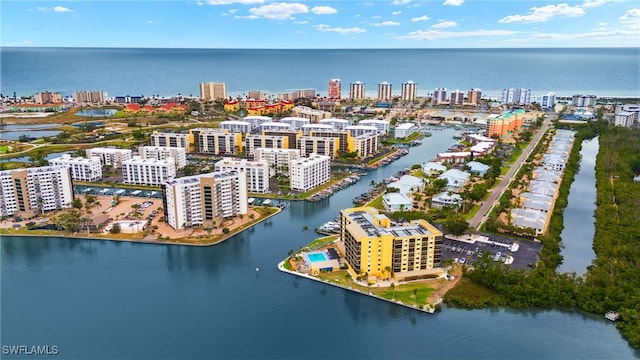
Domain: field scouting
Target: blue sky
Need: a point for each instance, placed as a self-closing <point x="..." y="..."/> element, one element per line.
<point x="320" y="24"/>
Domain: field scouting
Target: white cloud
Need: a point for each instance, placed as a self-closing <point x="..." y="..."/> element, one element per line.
<point x="394" y="13"/>
<point x="588" y="35"/>
<point x="439" y="34"/>
<point x="386" y="23"/>
<point x="444" y="24"/>
<point x="233" y="11"/>
<point x="602" y="24"/>
<point x="228" y="2"/>
<point x="453" y="2"/>
<point x="595" y="3"/>
<point x="327" y="28"/>
<point x="400" y="2"/>
<point x="301" y="22"/>
<point x="61" y="9"/>
<point x="631" y="14"/>
<point x="420" y="18"/>
<point x="545" y="13"/>
<point x="151" y="22"/>
<point x="279" y="11"/>
<point x="323" y="10"/>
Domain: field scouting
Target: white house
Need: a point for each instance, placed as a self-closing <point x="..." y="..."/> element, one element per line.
<point x="396" y="202"/>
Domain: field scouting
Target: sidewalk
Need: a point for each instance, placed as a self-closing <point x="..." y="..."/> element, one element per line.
<point x="472" y="239"/>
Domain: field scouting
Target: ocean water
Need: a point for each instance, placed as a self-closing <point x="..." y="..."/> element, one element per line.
<point x="112" y="300"/>
<point x="168" y="72"/>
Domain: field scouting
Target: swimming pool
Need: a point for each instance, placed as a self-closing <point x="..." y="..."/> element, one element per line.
<point x="315" y="257"/>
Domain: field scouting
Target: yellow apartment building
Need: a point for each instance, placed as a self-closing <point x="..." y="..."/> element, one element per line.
<point x="380" y="249"/>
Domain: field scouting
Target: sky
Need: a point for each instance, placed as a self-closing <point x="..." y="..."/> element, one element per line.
<point x="325" y="24"/>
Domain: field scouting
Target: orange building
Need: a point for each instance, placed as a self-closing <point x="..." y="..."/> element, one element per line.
<point x="505" y="124"/>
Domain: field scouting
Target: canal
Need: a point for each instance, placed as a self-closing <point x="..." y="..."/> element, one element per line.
<point x="579" y="220"/>
<point x="101" y="299"/>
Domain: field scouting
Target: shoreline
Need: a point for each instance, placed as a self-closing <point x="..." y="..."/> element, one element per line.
<point x="424" y="310"/>
<point x="151" y="242"/>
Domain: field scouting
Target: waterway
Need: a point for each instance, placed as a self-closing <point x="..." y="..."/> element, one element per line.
<point x="106" y="300"/>
<point x="579" y="220"/>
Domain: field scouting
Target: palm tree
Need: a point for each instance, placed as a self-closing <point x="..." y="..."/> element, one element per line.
<point x="415" y="296"/>
<point x="387" y="269"/>
<point x="4" y="219"/>
<point x="40" y="202"/>
<point x="393" y="289"/>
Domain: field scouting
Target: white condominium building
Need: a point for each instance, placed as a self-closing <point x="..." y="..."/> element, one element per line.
<point x="30" y="191"/>
<point x="583" y="100"/>
<point x="356" y="90"/>
<point x="405" y="129"/>
<point x="516" y="96"/>
<point x="457" y="97"/>
<point x="366" y="144"/>
<point x="213" y="91"/>
<point x="201" y="199"/>
<point x="311" y="172"/>
<point x="110" y="156"/>
<point x="150" y="172"/>
<point x="337" y="124"/>
<point x="381" y="125"/>
<point x="439" y="95"/>
<point x="356" y="130"/>
<point x="178" y="154"/>
<point x="82" y="169"/>
<point x="384" y="91"/>
<point x="171" y="140"/>
<point x="257" y="172"/>
<point x="307" y="129"/>
<point x="409" y="91"/>
<point x="234" y="126"/>
<point x="548" y="101"/>
<point x="279" y="160"/>
<point x="257" y="120"/>
<point x="295" y="123"/>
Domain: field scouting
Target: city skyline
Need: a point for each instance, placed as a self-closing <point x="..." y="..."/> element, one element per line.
<point x="321" y="24"/>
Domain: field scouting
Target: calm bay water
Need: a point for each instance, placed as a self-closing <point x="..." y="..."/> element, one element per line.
<point x="101" y="299"/>
<point x="167" y="72"/>
<point x="579" y="221"/>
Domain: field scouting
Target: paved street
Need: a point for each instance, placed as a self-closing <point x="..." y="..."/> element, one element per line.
<point x="481" y="216"/>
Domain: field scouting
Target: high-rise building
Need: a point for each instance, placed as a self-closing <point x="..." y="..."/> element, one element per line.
<point x="409" y="91"/>
<point x="506" y="123"/>
<point x="311" y="172"/>
<point x="34" y="190"/>
<point x="548" y="101"/>
<point x="457" y="97"/>
<point x="178" y="154"/>
<point x="195" y="200"/>
<point x="255" y="94"/>
<point x="516" y="96"/>
<point x="366" y="144"/>
<point x="356" y="90"/>
<point x="82" y="169"/>
<point x="150" y="172"/>
<point x="440" y="95"/>
<point x="334" y="89"/>
<point x="257" y="172"/>
<point x="474" y="96"/>
<point x="583" y="100"/>
<point x="47" y="98"/>
<point x="94" y="97"/>
<point x="213" y="91"/>
<point x="384" y="91"/>
<point x="377" y="247"/>
<point x="110" y="156"/>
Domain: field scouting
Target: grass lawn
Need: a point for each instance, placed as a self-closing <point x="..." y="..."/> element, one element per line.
<point x="473" y="211"/>
<point x="4" y="149"/>
<point x="517" y="150"/>
<point x="376" y="203"/>
<point x="409" y="294"/>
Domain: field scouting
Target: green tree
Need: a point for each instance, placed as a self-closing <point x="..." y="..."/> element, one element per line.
<point x="456" y="225"/>
<point x="115" y="228"/>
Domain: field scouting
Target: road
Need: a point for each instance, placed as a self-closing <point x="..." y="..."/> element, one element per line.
<point x="481" y="216"/>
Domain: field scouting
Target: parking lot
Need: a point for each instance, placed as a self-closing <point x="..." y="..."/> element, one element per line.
<point x="525" y="254"/>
